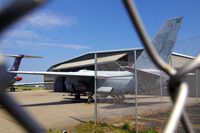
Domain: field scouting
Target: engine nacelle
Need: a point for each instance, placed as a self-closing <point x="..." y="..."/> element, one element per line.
<point x="78" y="85"/>
<point x="17" y="78"/>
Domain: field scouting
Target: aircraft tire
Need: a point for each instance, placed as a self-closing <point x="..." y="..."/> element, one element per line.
<point x="77" y="97"/>
<point x="12" y="89"/>
<point x="90" y="99"/>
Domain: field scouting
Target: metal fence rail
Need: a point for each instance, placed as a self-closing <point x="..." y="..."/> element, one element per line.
<point x="177" y="88"/>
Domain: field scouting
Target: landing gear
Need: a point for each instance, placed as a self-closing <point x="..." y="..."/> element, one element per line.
<point x="90" y="99"/>
<point x="12" y="89"/>
<point x="119" y="98"/>
<point x="77" y="97"/>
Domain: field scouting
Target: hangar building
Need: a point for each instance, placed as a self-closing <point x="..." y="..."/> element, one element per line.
<point x="107" y="60"/>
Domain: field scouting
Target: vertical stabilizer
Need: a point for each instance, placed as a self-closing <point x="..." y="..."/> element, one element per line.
<point x="16" y="63"/>
<point x="163" y="42"/>
<point x="18" y="59"/>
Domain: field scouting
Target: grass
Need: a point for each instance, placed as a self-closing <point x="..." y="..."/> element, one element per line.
<point x="126" y="126"/>
<point x="27" y="88"/>
<point x="90" y="127"/>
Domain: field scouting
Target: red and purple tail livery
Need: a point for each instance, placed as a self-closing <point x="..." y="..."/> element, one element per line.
<point x="18" y="59"/>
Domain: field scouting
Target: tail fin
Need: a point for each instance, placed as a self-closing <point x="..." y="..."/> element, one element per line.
<point x="16" y="63"/>
<point x="18" y="59"/>
<point x="163" y="42"/>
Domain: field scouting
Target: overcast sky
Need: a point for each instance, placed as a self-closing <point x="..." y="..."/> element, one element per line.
<point x="63" y="29"/>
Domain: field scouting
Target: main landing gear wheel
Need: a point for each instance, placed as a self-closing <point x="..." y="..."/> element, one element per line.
<point x="12" y="89"/>
<point x="119" y="98"/>
<point x="77" y="97"/>
<point x="90" y="99"/>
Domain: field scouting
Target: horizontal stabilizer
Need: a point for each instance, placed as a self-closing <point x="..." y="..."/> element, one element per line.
<point x="105" y="89"/>
<point x="21" y="56"/>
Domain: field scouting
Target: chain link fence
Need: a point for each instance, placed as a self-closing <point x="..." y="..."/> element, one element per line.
<point x="144" y="102"/>
<point x="152" y="105"/>
<point x="115" y="95"/>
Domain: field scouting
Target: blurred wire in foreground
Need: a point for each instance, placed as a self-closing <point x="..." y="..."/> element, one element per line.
<point x="8" y="16"/>
<point x="178" y="89"/>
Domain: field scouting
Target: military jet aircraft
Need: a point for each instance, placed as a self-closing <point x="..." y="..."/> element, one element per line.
<point x="119" y="83"/>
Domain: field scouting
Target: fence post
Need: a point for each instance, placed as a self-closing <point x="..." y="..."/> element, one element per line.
<point x="95" y="89"/>
<point x="136" y="113"/>
<point x="161" y="88"/>
<point x="197" y="84"/>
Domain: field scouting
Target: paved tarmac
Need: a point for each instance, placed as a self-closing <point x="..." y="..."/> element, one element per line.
<point x="60" y="111"/>
<point x="51" y="110"/>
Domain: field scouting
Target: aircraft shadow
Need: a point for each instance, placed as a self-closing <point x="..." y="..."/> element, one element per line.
<point x="114" y="103"/>
<point x="114" y="100"/>
<point x="126" y="105"/>
<point x="77" y="119"/>
<point x="54" y="103"/>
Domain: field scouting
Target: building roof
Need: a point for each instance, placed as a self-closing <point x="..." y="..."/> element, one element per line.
<point x="108" y="56"/>
<point x="182" y="55"/>
<point x="89" y="62"/>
